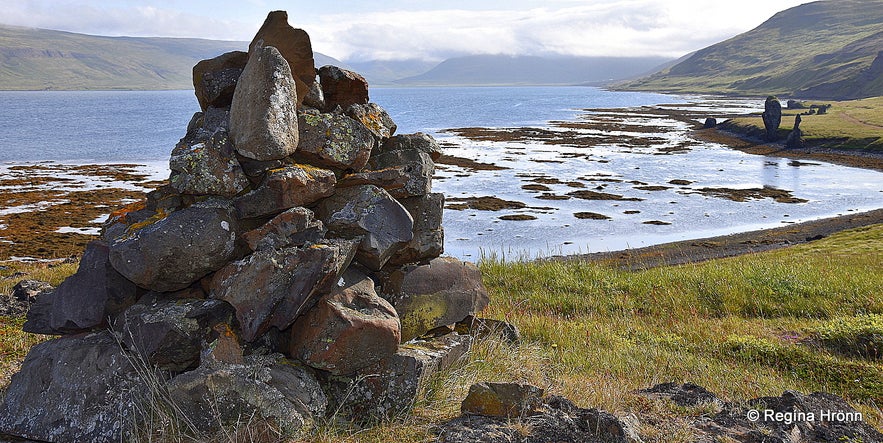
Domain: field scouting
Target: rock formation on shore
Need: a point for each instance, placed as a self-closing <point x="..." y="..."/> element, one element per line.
<point x="289" y="268"/>
<point x="772" y="117"/>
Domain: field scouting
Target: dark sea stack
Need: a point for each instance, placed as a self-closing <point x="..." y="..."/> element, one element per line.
<point x="250" y="277"/>
<point x="772" y="118"/>
<point x="795" y="137"/>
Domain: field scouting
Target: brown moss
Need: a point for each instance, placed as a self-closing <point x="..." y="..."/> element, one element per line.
<point x="652" y="188"/>
<point x="485" y="203"/>
<point x="656" y="222"/>
<point x="741" y="195"/>
<point x="465" y="163"/>
<point x="590" y="216"/>
<point x="517" y="217"/>
<point x="593" y="195"/>
<point x="680" y="182"/>
<point x="536" y="187"/>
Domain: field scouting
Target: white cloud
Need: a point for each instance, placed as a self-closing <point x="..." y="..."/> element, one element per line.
<point x="407" y="29"/>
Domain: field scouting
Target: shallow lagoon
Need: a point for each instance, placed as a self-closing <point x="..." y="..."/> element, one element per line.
<point x="142" y="127"/>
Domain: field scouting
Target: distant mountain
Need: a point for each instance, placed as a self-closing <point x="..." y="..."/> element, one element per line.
<point x="386" y="72"/>
<point x="824" y="50"/>
<point x="41" y="59"/>
<point x="532" y="70"/>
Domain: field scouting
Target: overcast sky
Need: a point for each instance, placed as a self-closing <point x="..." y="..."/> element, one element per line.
<point x="431" y="30"/>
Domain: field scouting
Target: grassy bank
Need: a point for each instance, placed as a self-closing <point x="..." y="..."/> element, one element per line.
<point x="809" y="318"/>
<point x="851" y="126"/>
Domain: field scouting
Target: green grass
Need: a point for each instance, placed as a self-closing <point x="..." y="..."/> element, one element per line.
<point x="743" y="327"/>
<point x="848" y="125"/>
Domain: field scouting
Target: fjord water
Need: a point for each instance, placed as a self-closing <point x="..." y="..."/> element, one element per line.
<point x="143" y="127"/>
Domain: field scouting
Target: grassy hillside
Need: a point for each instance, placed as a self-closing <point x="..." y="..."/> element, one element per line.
<point x="743" y="327"/>
<point x="847" y="125"/>
<point x="828" y="49"/>
<point x="41" y="59"/>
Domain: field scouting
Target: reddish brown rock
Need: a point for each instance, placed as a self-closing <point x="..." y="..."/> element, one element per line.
<point x="348" y="329"/>
<point x="272" y="287"/>
<point x="342" y="87"/>
<point x="441" y="293"/>
<point x="285" y="188"/>
<point x="333" y="141"/>
<point x="294" y="45"/>
<point x="263" y="114"/>
<point x="293" y="227"/>
<point x="214" y="79"/>
<point x="369" y="213"/>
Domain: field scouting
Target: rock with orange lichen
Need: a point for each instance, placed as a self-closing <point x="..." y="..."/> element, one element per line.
<point x="207" y="167"/>
<point x="285" y="188"/>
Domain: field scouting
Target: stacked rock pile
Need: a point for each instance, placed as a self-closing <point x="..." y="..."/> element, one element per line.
<point x="290" y="267"/>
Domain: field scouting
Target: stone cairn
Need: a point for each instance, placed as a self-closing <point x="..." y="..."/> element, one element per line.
<point x="289" y="269"/>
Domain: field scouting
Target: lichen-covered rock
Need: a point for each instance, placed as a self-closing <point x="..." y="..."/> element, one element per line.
<point x="170" y="333"/>
<point x="508" y="400"/>
<point x="272" y="287"/>
<point x="443" y="292"/>
<point x="557" y="419"/>
<point x="333" y="141"/>
<point x="375" y="118"/>
<point x="389" y="387"/>
<point x="416" y="168"/>
<point x="84" y="300"/>
<point x="294" y="45"/>
<point x="23" y="295"/>
<point x="214" y="79"/>
<point x="74" y="389"/>
<point x="207" y="167"/>
<point x="348" y="329"/>
<point x="170" y="251"/>
<point x="417" y="141"/>
<point x="263" y="114"/>
<point x="285" y="188"/>
<point x="262" y="388"/>
<point x="429" y="235"/>
<point x="315" y="98"/>
<point x="293" y="227"/>
<point x="342" y="87"/>
<point x="371" y="213"/>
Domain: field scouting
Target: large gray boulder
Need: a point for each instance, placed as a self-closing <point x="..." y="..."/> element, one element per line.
<point x="419" y="141"/>
<point x="171" y="251"/>
<point x="429" y="235"/>
<point x="271" y="287"/>
<point x="294" y="45"/>
<point x="169" y="333"/>
<point x="74" y="389"/>
<point x="333" y="140"/>
<point x="441" y="293"/>
<point x="263" y="114"/>
<point x="260" y="389"/>
<point x="415" y="166"/>
<point x="285" y="188"/>
<point x="348" y="329"/>
<point x="371" y="213"/>
<point x="84" y="300"/>
<point x="214" y="79"/>
<point x="207" y="167"/>
<point x="375" y="118"/>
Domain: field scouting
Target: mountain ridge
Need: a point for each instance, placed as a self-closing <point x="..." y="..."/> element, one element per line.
<point x="820" y="50"/>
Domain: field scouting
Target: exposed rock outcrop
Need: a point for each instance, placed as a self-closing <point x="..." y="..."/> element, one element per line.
<point x="772" y="117"/>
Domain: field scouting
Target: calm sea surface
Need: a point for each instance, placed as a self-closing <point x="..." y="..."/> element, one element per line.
<point x="143" y="127"/>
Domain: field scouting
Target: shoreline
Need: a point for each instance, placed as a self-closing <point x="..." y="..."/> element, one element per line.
<point x="731" y="245"/>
